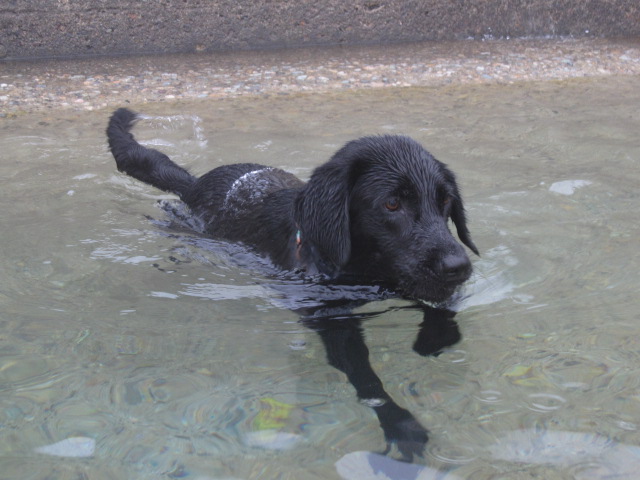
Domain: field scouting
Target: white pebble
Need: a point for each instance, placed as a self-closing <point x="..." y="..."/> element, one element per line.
<point x="75" y="447"/>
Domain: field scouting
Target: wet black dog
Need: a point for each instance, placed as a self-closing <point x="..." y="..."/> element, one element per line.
<point x="375" y="214"/>
<point x="377" y="211"/>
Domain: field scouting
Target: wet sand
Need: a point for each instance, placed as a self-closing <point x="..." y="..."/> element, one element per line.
<point x="96" y="83"/>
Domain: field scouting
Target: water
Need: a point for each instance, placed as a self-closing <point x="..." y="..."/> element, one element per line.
<point x="131" y="349"/>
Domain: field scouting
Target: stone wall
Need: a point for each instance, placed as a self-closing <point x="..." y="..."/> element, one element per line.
<point x="70" y="28"/>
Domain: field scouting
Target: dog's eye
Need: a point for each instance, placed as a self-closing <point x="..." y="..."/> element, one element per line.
<point x="392" y="204"/>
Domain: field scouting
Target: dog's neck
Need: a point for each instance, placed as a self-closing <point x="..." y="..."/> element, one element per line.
<point x="308" y="258"/>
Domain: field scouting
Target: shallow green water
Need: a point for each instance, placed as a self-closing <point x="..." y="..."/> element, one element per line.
<point x="152" y="343"/>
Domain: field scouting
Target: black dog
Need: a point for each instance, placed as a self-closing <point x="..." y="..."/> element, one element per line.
<point x="375" y="214"/>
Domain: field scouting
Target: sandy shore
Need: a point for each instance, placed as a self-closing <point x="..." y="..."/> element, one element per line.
<point x="96" y="83"/>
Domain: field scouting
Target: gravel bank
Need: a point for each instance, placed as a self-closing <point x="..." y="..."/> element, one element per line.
<point x="98" y="83"/>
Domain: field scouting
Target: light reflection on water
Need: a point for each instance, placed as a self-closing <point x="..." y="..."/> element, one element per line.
<point x="119" y="328"/>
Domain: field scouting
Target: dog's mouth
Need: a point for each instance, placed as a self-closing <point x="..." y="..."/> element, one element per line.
<point x="424" y="283"/>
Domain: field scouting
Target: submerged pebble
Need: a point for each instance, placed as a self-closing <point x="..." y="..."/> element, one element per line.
<point x="272" y="439"/>
<point x="568" y="187"/>
<point x="373" y="466"/>
<point x="72" y="447"/>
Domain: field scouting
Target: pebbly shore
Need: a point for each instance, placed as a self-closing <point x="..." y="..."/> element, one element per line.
<point x="105" y="82"/>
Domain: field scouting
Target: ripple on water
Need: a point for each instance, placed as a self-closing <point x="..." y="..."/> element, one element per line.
<point x="545" y="402"/>
<point x="491" y="281"/>
<point x="25" y="368"/>
<point x="576" y="373"/>
<point x="549" y="330"/>
<point x="588" y="456"/>
<point x="452" y="454"/>
<point x="489" y="396"/>
<point x="150" y="386"/>
<point x="80" y="415"/>
<point x="17" y="410"/>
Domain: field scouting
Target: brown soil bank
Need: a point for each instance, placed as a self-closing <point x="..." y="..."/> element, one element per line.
<point x="71" y="28"/>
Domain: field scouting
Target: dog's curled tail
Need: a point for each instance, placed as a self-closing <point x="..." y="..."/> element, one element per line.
<point x="145" y="164"/>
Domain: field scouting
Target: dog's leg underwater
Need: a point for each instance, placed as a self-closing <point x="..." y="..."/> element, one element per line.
<point x="145" y="164"/>
<point x="347" y="351"/>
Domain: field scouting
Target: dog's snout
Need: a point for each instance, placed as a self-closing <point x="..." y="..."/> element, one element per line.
<point x="455" y="268"/>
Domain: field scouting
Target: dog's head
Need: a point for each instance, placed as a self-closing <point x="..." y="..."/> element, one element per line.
<point x="379" y="209"/>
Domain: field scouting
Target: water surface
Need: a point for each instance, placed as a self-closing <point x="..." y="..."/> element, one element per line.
<point x="151" y="342"/>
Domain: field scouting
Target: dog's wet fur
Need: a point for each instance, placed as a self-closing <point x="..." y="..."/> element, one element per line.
<point x="377" y="213"/>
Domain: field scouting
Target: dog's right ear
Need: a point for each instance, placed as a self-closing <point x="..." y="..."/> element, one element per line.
<point x="322" y="215"/>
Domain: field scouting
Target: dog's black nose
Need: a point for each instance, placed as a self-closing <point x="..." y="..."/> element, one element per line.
<point x="455" y="268"/>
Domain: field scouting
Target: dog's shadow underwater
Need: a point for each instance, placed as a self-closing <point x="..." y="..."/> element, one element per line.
<point x="376" y="215"/>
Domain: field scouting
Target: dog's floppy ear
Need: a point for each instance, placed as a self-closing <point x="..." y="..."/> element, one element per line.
<point x="460" y="221"/>
<point x="322" y="214"/>
<point x="457" y="213"/>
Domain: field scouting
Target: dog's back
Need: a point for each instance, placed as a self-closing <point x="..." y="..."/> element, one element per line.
<point x="377" y="211"/>
<point x="244" y="202"/>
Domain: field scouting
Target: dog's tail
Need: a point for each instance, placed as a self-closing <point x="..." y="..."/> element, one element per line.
<point x="146" y="164"/>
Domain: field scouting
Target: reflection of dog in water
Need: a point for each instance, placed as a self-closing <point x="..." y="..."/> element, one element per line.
<point x="375" y="214"/>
